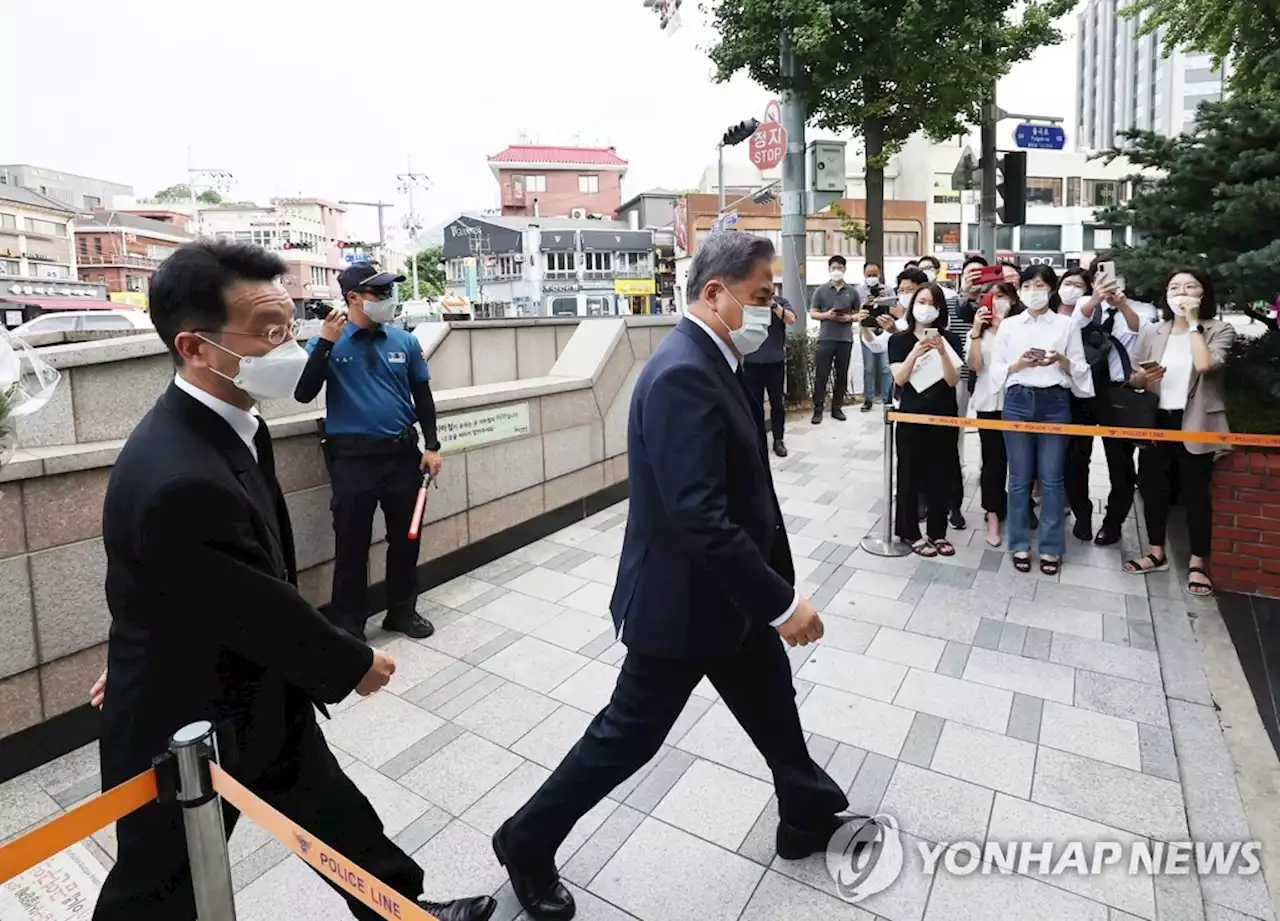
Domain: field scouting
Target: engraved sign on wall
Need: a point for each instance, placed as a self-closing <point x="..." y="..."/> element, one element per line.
<point x="63" y="888"/>
<point x="470" y="430"/>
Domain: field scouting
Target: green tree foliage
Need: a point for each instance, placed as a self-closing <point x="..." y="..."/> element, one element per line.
<point x="1247" y="31"/>
<point x="884" y="69"/>
<point x="430" y="275"/>
<point x="1214" y="202"/>
<point x="181" y="194"/>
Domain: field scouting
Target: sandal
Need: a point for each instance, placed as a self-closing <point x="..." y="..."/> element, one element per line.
<point x="944" y="547"/>
<point x="922" y="547"/>
<point x="1022" y="563"/>
<point x="1135" y="567"/>
<point x="1199" y="589"/>
<point x="1050" y="567"/>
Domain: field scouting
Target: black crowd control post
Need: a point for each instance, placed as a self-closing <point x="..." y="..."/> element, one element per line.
<point x="193" y="748"/>
<point x="886" y="544"/>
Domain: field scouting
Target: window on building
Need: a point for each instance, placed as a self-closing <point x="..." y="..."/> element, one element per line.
<point x="1099" y="193"/>
<point x="599" y="306"/>
<point x="588" y="185"/>
<point x="159" y="252"/>
<point x="943" y="193"/>
<point x="1041" y="238"/>
<point x="97" y="245"/>
<point x="535" y="183"/>
<point x="946" y="237"/>
<point x="508" y="266"/>
<point x="1192" y="102"/>
<point x="901" y="243"/>
<point x="815" y="242"/>
<point x="92" y="201"/>
<point x="8" y="222"/>
<point x="564" y="307"/>
<point x="44" y="228"/>
<point x="1044" y="190"/>
<point x="1004" y="237"/>
<point x="133" y="283"/>
<point x="1100" y="237"/>
<point x="244" y="236"/>
<point x="84" y="246"/>
<point x="8" y="267"/>
<point x="561" y="264"/>
<point x="319" y="276"/>
<point x="637" y="265"/>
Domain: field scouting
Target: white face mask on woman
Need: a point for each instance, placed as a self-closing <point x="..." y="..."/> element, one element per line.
<point x="924" y="313"/>
<point x="1181" y="303"/>
<point x="1069" y="294"/>
<point x="1000" y="306"/>
<point x="1036" y="301"/>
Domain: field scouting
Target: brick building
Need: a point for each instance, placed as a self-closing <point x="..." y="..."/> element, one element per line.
<point x="122" y="251"/>
<point x="569" y="182"/>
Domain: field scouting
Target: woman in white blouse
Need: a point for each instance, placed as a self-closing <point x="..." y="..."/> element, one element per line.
<point x="999" y="302"/>
<point x="1183" y="359"/>
<point x="1038" y="360"/>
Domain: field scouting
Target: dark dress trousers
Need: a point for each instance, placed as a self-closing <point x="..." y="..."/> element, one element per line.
<point x="207" y="624"/>
<point x="705" y="567"/>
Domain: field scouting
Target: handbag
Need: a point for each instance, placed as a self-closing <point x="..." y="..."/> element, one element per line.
<point x="1124" y="407"/>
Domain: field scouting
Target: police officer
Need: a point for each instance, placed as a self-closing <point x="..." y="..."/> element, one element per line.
<point x="378" y="389"/>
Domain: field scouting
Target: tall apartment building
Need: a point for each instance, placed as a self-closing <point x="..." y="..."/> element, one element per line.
<point x="80" y="193"/>
<point x="1123" y="82"/>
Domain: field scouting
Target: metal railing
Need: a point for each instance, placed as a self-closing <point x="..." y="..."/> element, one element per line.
<point x="129" y="259"/>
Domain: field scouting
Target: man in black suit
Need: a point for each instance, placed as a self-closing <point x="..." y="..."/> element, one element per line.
<point x="206" y="621"/>
<point x="705" y="582"/>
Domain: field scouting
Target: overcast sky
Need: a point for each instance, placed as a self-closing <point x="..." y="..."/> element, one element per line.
<point x="333" y="99"/>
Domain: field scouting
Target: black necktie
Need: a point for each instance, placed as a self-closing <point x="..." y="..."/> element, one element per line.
<point x="1109" y="322"/>
<point x="266" y="455"/>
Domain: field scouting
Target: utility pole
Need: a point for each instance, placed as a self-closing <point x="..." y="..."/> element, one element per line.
<point x="214" y="179"/>
<point x="408" y="182"/>
<point x="987" y="206"/>
<point x="793" y="186"/>
<point x="382" y="236"/>
<point x="720" y="176"/>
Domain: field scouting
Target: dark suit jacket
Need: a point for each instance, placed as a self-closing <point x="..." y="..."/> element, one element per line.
<point x="705" y="555"/>
<point x="206" y="622"/>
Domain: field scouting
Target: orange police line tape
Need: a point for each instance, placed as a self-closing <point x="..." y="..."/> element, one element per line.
<point x="343" y="873"/>
<point x="25" y="852"/>
<point x="1103" y="431"/>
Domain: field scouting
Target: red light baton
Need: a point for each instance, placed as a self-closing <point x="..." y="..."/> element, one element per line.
<point x="415" y="523"/>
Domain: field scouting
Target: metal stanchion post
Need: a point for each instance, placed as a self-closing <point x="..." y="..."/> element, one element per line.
<point x="193" y="748"/>
<point x="886" y="544"/>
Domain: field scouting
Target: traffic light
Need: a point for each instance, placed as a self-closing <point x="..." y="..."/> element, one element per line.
<point x="740" y="132"/>
<point x="1012" y="188"/>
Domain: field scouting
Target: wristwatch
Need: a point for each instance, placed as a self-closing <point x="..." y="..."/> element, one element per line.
<point x="1200" y="328"/>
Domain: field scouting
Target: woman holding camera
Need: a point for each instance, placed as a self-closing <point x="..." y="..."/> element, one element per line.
<point x="1182" y="359"/>
<point x="1038" y="360"/>
<point x="999" y="303"/>
<point x="925" y="363"/>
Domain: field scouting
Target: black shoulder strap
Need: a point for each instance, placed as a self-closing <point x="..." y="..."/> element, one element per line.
<point x="1125" y="364"/>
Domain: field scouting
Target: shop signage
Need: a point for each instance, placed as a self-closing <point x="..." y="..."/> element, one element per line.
<point x="634" y="286"/>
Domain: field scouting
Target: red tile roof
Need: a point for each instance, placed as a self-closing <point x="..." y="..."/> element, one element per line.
<point x="527" y="153"/>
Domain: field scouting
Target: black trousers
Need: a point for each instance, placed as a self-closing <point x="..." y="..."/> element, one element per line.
<point x="1157" y="464"/>
<point x="995" y="468"/>
<point x="151" y="880"/>
<point x="928" y="456"/>
<point x="360" y="485"/>
<point x="829" y="355"/>
<point x="1120" y="470"/>
<point x="755" y="683"/>
<point x="768" y="377"/>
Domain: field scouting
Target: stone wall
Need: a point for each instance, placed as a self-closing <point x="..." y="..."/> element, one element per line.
<point x="1246" y="522"/>
<point x="52" y="611"/>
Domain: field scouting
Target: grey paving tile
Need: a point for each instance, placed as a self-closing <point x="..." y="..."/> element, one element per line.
<point x="1142" y="635"/>
<point x="458" y="859"/>
<point x="1122" y="697"/>
<point x="456" y="591"/>
<point x="1137" y="608"/>
<point x="1011" y="638"/>
<point x="1115" y="630"/>
<point x="493" y="646"/>
<point x="844" y="764"/>
<point x="869" y="786"/>
<point x="985" y="758"/>
<point x="505" y="798"/>
<point x="1006" y="897"/>
<point x="65" y="771"/>
<point x="535" y="664"/>
<point x="760" y="845"/>
<point x="659" y="781"/>
<point x="910" y="649"/>
<point x="1078" y="597"/>
<point x="854" y="720"/>
<point x="1077" y="622"/>
<point x="1024" y="718"/>
<point x="396" y="806"/>
<point x="472" y="695"/>
<point x="257" y="863"/>
<point x="565" y="562"/>
<point x="857" y="674"/>
<point x="1178" y="898"/>
<point x="628" y="786"/>
<point x="592" y="856"/>
<point x="73" y="794"/>
<point x="493" y="571"/>
<point x="1038" y="643"/>
<point x="904" y="900"/>
<point x="548" y="742"/>
<point x="600" y="644"/>
<point x="988" y="633"/>
<point x="821" y="749"/>
<point x="521" y="612"/>
<point x="1158" y="756"/>
<point x="464" y="636"/>
<point x="936" y="807"/>
<point x="921" y="740"/>
<point x="506" y="714"/>
<point x="589" y="688"/>
<point x="422" y="829"/>
<point x="379" y="727"/>
<point x="1113" y="795"/>
<point x="1120" y="661"/>
<point x="456" y="776"/>
<point x="779" y="898"/>
<point x="991" y="560"/>
<point x="1094" y="735"/>
<point x="942" y="574"/>
<point x="1181" y="660"/>
<point x="718" y="737"/>
<point x="693" y="711"/>
<point x="956" y="699"/>
<point x="954" y="659"/>
<point x="491" y="595"/>
<point x="710" y="801"/>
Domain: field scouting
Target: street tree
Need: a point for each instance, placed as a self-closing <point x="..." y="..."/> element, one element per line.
<point x="181" y="193"/>
<point x="1246" y="31"/>
<point x="883" y="69"/>
<point x="430" y="275"/>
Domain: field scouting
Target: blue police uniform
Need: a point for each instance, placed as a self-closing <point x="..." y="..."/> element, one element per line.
<point x="377" y="391"/>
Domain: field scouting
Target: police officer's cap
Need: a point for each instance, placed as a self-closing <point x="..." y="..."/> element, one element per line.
<point x="365" y="276"/>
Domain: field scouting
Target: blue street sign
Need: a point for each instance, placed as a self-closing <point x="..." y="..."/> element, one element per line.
<point x="1040" y="137"/>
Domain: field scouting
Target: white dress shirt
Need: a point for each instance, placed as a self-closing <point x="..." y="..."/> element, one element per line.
<point x="732" y="360"/>
<point x="1177" y="371"/>
<point x="878" y="344"/>
<point x="1120" y="331"/>
<point x="243" y="422"/>
<point x="1053" y="332"/>
<point x="988" y="397"/>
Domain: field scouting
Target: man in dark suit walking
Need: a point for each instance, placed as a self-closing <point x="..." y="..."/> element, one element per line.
<point x="206" y="621"/>
<point x="705" y="582"/>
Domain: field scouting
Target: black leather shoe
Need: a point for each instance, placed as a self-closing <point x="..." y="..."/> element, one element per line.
<point x="957" y="520"/>
<point x="779" y="449"/>
<point x="1107" y="535"/>
<point x="838" y="414"/>
<point x="1083" y="530"/>
<point x="539" y="889"/>
<point x="479" y="908"/>
<point x="798" y="843"/>
<point x="412" y="626"/>
<point x="817" y="416"/>
<point x="867" y="406"/>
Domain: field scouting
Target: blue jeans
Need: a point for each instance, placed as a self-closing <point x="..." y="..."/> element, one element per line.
<point x="875" y="365"/>
<point x="1035" y="456"/>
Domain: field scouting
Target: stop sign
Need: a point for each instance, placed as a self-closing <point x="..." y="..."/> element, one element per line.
<point x="768" y="145"/>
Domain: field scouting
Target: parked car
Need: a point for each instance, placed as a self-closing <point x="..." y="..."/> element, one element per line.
<point x="86" y="321"/>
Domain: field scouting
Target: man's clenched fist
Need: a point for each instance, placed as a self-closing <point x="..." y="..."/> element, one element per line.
<point x="378" y="675"/>
<point x="803" y="627"/>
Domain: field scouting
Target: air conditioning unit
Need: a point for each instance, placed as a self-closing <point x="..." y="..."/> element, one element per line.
<point x="578" y="214"/>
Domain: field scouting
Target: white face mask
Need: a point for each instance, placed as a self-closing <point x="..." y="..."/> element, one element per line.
<point x="924" y="313"/>
<point x="1000" y="306"/>
<point x="383" y="311"/>
<point x="1180" y="303"/>
<point x="1070" y="294"/>
<point x="1035" y="300"/>
<point x="873" y="281"/>
<point x="267" y="377"/>
<point x="904" y="300"/>
<point x="931" y="274"/>
<point x="754" y="330"/>
<point x="837" y="274"/>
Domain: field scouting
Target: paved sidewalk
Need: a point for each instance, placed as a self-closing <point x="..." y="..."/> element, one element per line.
<point x="966" y="700"/>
